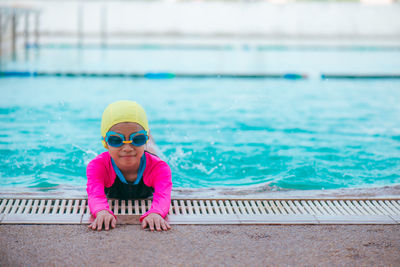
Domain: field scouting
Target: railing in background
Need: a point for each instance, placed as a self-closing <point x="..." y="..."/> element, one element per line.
<point x="13" y="19"/>
<point x="104" y="23"/>
<point x="93" y="23"/>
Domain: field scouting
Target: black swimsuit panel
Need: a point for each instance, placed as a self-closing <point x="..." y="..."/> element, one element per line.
<point x="124" y="191"/>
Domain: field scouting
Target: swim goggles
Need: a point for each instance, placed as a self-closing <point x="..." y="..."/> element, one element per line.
<point x="117" y="140"/>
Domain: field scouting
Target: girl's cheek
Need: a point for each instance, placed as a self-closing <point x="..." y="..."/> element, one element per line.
<point x="113" y="154"/>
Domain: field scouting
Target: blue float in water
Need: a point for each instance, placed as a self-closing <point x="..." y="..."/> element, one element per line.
<point x="292" y="76"/>
<point x="159" y="75"/>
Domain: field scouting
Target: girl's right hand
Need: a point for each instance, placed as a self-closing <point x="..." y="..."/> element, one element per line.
<point x="105" y="217"/>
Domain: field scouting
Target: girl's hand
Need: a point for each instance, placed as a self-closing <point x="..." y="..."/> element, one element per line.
<point x="154" y="220"/>
<point x="105" y="217"/>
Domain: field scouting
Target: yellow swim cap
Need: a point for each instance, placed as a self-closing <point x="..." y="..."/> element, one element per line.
<point x="122" y="111"/>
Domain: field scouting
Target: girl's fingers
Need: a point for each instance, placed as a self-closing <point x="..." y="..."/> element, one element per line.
<point x="157" y="223"/>
<point x="163" y="225"/>
<point x="151" y="221"/>
<point x="107" y="223"/>
<point x="144" y="223"/>
<point x="99" y="223"/>
<point x="113" y="222"/>
<point x="167" y="224"/>
<point x="151" y="224"/>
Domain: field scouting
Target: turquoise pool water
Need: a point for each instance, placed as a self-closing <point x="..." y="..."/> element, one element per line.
<point x="304" y="134"/>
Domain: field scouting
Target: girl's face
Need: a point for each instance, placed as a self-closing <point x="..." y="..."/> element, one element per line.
<point x="126" y="156"/>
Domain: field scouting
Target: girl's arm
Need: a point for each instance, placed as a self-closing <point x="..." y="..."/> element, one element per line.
<point x="162" y="184"/>
<point x="96" y="174"/>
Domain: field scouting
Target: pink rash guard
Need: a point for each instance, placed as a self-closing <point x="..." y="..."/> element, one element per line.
<point x="101" y="174"/>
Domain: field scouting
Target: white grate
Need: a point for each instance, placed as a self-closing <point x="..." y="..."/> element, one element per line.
<point x="210" y="211"/>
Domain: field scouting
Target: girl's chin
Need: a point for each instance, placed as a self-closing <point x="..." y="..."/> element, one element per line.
<point x="128" y="161"/>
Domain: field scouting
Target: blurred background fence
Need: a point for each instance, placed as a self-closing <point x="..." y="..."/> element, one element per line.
<point x="101" y="22"/>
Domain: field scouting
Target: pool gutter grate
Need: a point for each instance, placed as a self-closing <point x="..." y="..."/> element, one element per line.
<point x="209" y="211"/>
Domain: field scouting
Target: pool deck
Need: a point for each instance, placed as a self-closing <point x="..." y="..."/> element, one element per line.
<point x="208" y="245"/>
<point x="201" y="245"/>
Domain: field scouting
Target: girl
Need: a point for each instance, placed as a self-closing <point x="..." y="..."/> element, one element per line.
<point x="127" y="170"/>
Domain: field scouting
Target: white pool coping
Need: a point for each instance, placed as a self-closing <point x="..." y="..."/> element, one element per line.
<point x="209" y="211"/>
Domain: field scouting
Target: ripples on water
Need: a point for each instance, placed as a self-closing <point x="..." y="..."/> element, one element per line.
<point x="290" y="134"/>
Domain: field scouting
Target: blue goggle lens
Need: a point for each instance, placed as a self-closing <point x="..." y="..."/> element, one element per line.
<point x="114" y="141"/>
<point x="139" y="139"/>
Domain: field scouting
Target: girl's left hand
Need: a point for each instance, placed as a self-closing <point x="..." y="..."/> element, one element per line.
<point x="154" y="220"/>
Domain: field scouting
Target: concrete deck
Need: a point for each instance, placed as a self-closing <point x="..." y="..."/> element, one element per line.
<point x="201" y="245"/>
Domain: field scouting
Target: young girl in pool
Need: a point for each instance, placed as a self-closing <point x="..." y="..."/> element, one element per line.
<point x="127" y="170"/>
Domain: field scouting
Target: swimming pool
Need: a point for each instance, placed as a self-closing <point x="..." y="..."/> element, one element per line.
<point x="303" y="134"/>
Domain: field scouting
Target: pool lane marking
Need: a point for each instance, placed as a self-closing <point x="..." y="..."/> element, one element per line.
<point x="325" y="76"/>
<point x="156" y="75"/>
<point x="168" y="75"/>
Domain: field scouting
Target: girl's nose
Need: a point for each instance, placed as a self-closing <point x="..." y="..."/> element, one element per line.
<point x="127" y="147"/>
